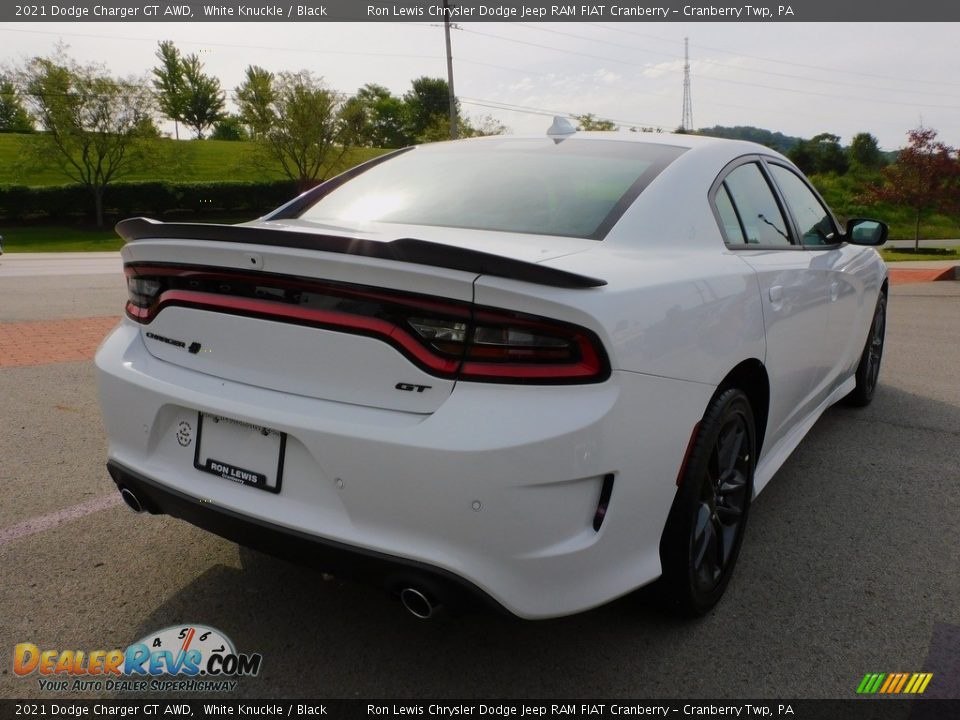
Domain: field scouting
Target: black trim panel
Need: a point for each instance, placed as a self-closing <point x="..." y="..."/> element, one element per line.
<point x="409" y="250"/>
<point x="300" y="547"/>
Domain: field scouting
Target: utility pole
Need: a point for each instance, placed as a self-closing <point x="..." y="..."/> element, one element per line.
<point x="453" y="97"/>
<point x="687" y="122"/>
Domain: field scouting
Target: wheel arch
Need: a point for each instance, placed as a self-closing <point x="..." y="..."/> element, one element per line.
<point x="751" y="377"/>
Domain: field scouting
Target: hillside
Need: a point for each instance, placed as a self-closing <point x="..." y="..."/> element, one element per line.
<point x="185" y="160"/>
<point x="775" y="140"/>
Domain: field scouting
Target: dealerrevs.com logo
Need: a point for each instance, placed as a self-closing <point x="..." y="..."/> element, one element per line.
<point x="184" y="658"/>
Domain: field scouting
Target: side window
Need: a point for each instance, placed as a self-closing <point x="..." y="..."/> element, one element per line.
<point x="732" y="230"/>
<point x="813" y="220"/>
<point x="759" y="214"/>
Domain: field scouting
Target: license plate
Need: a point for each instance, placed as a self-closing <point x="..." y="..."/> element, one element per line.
<point x="240" y="452"/>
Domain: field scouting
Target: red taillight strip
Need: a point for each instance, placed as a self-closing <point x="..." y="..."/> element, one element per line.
<point x="538" y="366"/>
<point x="590" y="366"/>
<point x="292" y="283"/>
<point x="324" y="319"/>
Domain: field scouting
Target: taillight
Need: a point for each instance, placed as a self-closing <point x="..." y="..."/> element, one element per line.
<point x="447" y="338"/>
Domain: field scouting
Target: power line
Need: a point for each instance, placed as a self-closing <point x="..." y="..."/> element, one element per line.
<point x="530" y="110"/>
<point x="713" y="77"/>
<point x="740" y="68"/>
<point x="781" y="62"/>
<point x="204" y="43"/>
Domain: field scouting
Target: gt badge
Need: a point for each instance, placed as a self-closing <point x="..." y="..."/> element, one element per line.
<point x="408" y="387"/>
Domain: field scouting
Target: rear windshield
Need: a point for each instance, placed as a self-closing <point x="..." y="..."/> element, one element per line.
<point x="571" y="188"/>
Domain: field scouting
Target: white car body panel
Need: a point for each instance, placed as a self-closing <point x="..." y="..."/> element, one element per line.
<point x="499" y="483"/>
<point x="530" y="546"/>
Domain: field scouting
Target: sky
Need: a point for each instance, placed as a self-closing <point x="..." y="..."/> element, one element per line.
<point x="797" y="78"/>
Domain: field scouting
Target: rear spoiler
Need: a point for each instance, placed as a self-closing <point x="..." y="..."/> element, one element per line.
<point x="410" y="250"/>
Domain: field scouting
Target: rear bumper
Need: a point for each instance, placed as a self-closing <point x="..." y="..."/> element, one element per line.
<point x="327" y="555"/>
<point x="494" y="493"/>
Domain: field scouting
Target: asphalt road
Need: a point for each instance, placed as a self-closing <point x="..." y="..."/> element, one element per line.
<point x="850" y="564"/>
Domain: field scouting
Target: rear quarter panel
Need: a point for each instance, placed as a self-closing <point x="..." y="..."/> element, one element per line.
<point x="685" y="315"/>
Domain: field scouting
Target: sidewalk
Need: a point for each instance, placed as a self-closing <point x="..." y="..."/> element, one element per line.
<point x="69" y="263"/>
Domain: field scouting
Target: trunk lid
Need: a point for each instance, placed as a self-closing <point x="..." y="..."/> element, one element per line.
<point x="267" y="315"/>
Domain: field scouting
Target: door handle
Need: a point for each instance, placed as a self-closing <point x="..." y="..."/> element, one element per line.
<point x="775" y="294"/>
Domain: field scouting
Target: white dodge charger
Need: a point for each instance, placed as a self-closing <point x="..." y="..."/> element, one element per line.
<point x="539" y="371"/>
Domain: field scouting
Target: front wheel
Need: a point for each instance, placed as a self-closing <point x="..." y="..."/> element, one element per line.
<point x="704" y="531"/>
<point x="869" y="368"/>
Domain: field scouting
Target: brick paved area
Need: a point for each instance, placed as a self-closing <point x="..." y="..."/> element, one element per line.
<point x="902" y="275"/>
<point x="52" y="341"/>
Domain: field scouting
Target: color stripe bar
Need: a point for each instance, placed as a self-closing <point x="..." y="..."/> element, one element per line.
<point x="894" y="683"/>
<point x="900" y="684"/>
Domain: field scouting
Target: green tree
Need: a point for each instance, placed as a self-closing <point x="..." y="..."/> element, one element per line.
<point x="428" y="108"/>
<point x="230" y="127"/>
<point x="14" y="117"/>
<point x="307" y="138"/>
<point x="255" y="98"/>
<point x="864" y="152"/>
<point x="95" y="125"/>
<point x="820" y="154"/>
<point x="204" y="100"/>
<point x="481" y="127"/>
<point x="925" y="178"/>
<point x="170" y="84"/>
<point x="379" y="118"/>
<point x="589" y="122"/>
<point x="775" y="140"/>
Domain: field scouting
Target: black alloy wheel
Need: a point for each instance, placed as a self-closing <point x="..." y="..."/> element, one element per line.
<point x="869" y="368"/>
<point x="705" y="528"/>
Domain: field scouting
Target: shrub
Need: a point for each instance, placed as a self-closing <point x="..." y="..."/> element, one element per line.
<point x="155" y="198"/>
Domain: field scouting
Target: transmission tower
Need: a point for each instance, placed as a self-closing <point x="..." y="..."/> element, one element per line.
<point x="687" y="122"/>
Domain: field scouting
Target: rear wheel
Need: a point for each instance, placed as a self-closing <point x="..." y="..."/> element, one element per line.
<point x="705" y="527"/>
<point x="869" y="368"/>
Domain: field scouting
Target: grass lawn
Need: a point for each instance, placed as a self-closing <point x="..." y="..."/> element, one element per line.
<point x="184" y="160"/>
<point x="67" y="238"/>
<point x="893" y="255"/>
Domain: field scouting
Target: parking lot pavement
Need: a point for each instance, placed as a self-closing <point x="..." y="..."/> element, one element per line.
<point x="79" y="263"/>
<point x="849" y="564"/>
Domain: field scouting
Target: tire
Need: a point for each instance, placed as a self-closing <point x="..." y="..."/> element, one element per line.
<point x="704" y="531"/>
<point x="869" y="367"/>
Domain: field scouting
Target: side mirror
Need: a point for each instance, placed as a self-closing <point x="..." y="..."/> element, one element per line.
<point x="862" y="231"/>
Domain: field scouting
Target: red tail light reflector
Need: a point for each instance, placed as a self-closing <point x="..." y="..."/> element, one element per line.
<point x="447" y="338"/>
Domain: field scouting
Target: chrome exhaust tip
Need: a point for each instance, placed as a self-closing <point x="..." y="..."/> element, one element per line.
<point x="418" y="604"/>
<point x="132" y="501"/>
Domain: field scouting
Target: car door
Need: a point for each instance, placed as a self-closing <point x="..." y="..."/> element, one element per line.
<point x="834" y="264"/>
<point x="757" y="228"/>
